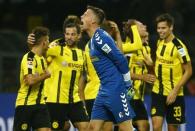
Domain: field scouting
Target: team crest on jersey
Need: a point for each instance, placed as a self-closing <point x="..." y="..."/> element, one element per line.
<point x="24" y="126"/>
<point x="106" y="48"/>
<point x="182" y="52"/>
<point x="121" y="115"/>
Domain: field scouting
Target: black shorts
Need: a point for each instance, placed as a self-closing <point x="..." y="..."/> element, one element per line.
<point x="174" y="113"/>
<point x="60" y="113"/>
<point x="139" y="109"/>
<point x="89" y="106"/>
<point x="32" y="116"/>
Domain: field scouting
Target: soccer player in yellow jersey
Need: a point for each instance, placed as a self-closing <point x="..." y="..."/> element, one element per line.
<point x="133" y="40"/>
<point x="31" y="111"/>
<point x="138" y="62"/>
<point x="63" y="88"/>
<point x="172" y="69"/>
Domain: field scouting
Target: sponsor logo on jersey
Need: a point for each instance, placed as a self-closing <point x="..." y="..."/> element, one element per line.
<point x="161" y="60"/>
<point x="72" y="65"/>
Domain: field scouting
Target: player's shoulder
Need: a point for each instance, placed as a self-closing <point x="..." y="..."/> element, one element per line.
<point x="57" y="42"/>
<point x="101" y="35"/>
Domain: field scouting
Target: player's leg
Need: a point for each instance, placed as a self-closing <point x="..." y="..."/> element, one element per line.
<point x="79" y="116"/>
<point x="125" y="126"/>
<point x="99" y="114"/>
<point x="22" y="118"/>
<point x="95" y="125"/>
<point x="122" y="113"/>
<point x="107" y="126"/>
<point x="41" y="118"/>
<point x="158" y="111"/>
<point x="89" y="106"/>
<point x="67" y="126"/>
<point x="140" y="121"/>
<point x="58" y="116"/>
<point x="176" y="114"/>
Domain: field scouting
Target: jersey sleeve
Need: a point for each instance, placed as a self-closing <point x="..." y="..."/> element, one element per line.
<point x="183" y="54"/>
<point x="28" y="64"/>
<point x="107" y="46"/>
<point x="136" y="44"/>
<point x="53" y="51"/>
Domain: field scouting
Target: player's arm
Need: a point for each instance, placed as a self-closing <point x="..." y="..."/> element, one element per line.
<point x="134" y="45"/>
<point x="187" y="69"/>
<point x="108" y="47"/>
<point x="31" y="79"/>
<point x="147" y="57"/>
<point x="187" y="72"/>
<point x="82" y="84"/>
<point x="117" y="35"/>
<point x="149" y="78"/>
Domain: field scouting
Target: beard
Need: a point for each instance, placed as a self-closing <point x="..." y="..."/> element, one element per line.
<point x="71" y="42"/>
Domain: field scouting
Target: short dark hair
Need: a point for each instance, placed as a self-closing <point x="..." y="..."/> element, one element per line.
<point x="72" y="21"/>
<point x="127" y="28"/>
<point x="69" y="25"/>
<point x="40" y="32"/>
<point x="99" y="14"/>
<point x="165" y="17"/>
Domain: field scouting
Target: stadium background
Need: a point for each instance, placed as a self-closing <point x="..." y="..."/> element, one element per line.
<point x="18" y="17"/>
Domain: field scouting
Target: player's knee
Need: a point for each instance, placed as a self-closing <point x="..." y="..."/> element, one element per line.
<point x="143" y="126"/>
<point x="83" y="127"/>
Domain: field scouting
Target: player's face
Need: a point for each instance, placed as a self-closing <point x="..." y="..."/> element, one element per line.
<point x="87" y="19"/>
<point x="141" y="29"/>
<point x="164" y="30"/>
<point x="71" y="36"/>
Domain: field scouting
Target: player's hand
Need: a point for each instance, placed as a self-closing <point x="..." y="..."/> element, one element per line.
<point x="149" y="78"/>
<point x="130" y="93"/>
<point x="47" y="74"/>
<point x="31" y="39"/>
<point x="171" y="97"/>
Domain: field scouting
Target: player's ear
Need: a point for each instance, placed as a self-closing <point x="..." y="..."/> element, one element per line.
<point x="171" y="28"/>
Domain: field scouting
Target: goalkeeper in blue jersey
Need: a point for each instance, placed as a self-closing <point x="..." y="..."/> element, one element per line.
<point x="113" y="72"/>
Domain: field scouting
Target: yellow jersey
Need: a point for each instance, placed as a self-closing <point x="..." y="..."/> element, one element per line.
<point x="66" y="67"/>
<point x="168" y="66"/>
<point x="135" y="43"/>
<point x="138" y="66"/>
<point x="31" y="95"/>
<point x="93" y="82"/>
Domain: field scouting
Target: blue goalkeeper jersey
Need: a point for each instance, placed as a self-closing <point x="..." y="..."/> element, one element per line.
<point x="110" y="64"/>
